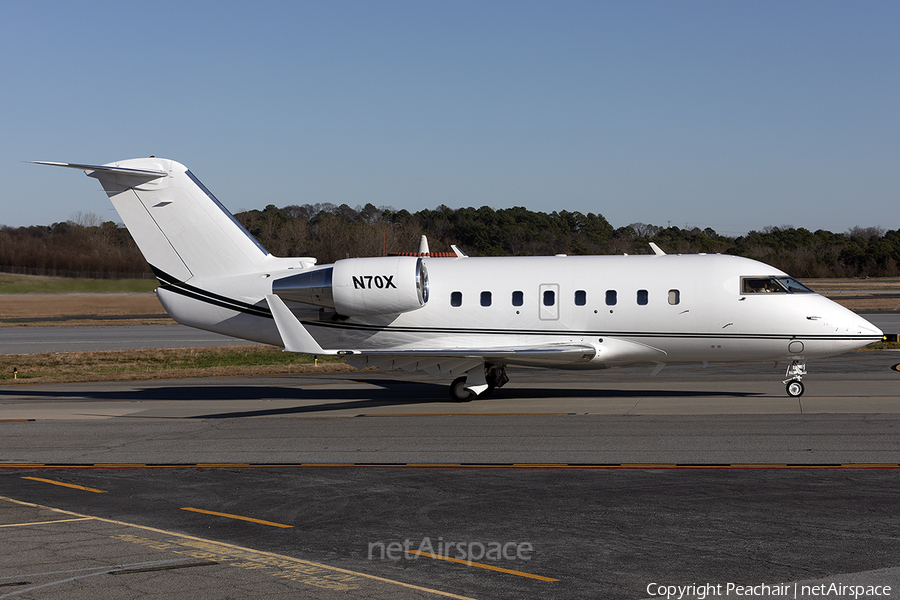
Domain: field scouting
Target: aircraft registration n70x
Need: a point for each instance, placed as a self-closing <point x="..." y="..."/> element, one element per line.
<point x="468" y="317"/>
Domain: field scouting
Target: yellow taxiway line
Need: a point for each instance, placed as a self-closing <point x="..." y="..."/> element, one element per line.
<point x="68" y="485"/>
<point x="232" y="550"/>
<point x="240" y="518"/>
<point x="481" y="565"/>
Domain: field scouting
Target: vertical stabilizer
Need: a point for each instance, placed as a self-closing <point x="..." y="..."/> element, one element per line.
<point x="182" y="230"/>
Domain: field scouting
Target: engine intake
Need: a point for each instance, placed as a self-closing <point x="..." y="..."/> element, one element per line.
<point x="361" y="286"/>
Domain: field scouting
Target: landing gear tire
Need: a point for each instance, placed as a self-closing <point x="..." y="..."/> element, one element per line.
<point x="458" y="391"/>
<point x="794" y="388"/>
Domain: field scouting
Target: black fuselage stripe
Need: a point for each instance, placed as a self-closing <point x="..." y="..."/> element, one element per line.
<point x="593" y="333"/>
<point x="231" y="305"/>
<point x="179" y="287"/>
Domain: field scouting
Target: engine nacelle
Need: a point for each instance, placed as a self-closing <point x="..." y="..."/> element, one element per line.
<point x="361" y="286"/>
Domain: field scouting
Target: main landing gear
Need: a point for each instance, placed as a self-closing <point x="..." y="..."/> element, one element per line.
<point x="458" y="390"/>
<point x="477" y="383"/>
<point x="794" y="374"/>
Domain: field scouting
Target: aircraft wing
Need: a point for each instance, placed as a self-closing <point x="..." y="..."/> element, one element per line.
<point x="454" y="362"/>
<point x="434" y="361"/>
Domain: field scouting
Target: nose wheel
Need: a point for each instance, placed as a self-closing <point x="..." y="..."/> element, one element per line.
<point x="794" y="388"/>
<point x="794" y="374"/>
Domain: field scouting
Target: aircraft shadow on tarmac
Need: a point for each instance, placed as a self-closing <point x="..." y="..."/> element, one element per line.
<point x="383" y="393"/>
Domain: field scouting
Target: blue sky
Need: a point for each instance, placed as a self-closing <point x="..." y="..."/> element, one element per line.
<point x="728" y="115"/>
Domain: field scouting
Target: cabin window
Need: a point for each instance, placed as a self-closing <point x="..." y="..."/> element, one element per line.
<point x="485" y="298"/>
<point x="456" y="299"/>
<point x="611" y="297"/>
<point x="580" y="297"/>
<point x="674" y="297"/>
<point x="642" y="297"/>
<point x="549" y="297"/>
<point x="518" y="298"/>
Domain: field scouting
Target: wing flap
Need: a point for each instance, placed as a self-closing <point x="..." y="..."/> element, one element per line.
<point x="452" y="362"/>
<point x="549" y="354"/>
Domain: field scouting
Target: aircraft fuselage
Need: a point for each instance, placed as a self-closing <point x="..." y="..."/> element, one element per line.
<point x="644" y="308"/>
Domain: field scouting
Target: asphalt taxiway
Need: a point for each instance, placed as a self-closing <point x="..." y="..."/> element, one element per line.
<point x="595" y="485"/>
<point x="36" y="339"/>
<point x="727" y="414"/>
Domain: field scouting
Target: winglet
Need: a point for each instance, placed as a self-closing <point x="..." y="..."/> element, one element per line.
<point x="656" y="249"/>
<point x="294" y="335"/>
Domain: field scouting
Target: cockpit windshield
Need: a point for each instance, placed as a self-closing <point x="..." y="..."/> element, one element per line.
<point x="773" y="285"/>
<point x="793" y="286"/>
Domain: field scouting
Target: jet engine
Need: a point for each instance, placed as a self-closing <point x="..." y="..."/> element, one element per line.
<point x="361" y="286"/>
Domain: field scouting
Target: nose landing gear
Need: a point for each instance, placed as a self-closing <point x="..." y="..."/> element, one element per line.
<point x="794" y="374"/>
<point x="794" y="388"/>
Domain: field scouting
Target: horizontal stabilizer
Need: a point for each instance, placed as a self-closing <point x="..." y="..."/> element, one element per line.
<point x="108" y="169"/>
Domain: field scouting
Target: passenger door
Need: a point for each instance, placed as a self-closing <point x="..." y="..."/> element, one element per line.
<point x="548" y="301"/>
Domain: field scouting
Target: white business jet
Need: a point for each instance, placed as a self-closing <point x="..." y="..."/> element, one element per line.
<point x="465" y="317"/>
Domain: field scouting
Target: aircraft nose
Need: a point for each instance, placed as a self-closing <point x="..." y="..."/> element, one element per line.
<point x="852" y="328"/>
<point x="864" y="327"/>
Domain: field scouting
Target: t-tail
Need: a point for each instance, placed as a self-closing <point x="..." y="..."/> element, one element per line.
<point x="182" y="230"/>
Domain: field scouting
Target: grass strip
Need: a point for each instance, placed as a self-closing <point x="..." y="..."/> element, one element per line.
<point x="134" y="365"/>
<point x="34" y="284"/>
<point x="178" y="363"/>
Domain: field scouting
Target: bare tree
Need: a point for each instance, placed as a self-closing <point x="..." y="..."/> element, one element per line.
<point x="866" y="232"/>
<point x="85" y="219"/>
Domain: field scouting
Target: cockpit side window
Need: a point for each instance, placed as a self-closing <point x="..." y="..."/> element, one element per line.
<point x="761" y="285"/>
<point x="773" y="285"/>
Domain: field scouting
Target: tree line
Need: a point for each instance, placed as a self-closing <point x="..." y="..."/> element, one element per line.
<point x="81" y="247"/>
<point x="90" y="247"/>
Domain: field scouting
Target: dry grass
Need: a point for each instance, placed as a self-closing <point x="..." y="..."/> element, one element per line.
<point x="854" y="293"/>
<point x="136" y="365"/>
<point x="872" y="304"/>
<point x="81" y="309"/>
<point x="855" y="284"/>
